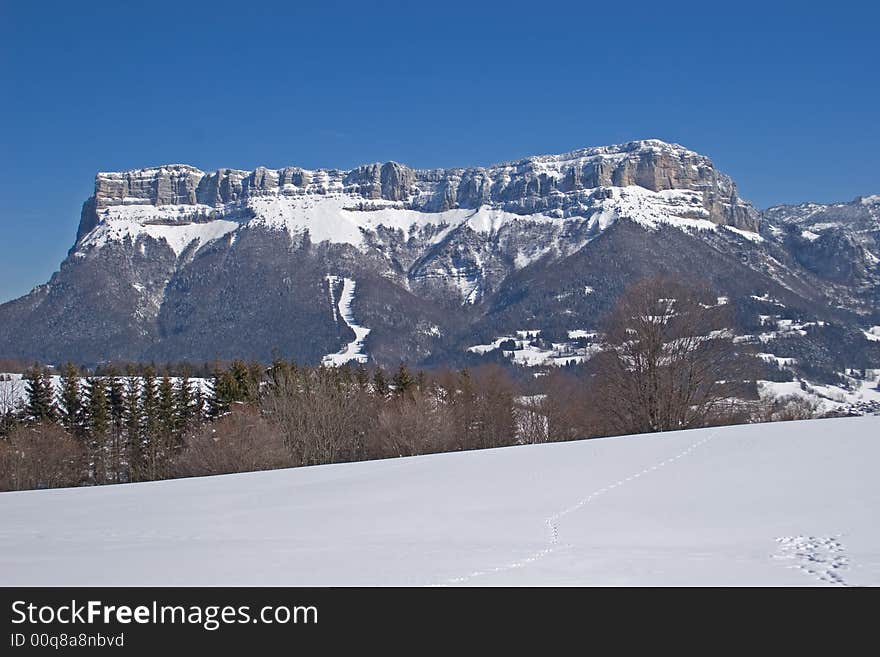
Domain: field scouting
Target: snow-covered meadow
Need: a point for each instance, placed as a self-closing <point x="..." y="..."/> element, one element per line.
<point x="774" y="504"/>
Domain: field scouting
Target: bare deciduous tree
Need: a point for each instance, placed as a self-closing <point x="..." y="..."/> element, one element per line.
<point x="11" y="394"/>
<point x="240" y="441"/>
<point x="670" y="361"/>
<point x="321" y="413"/>
<point x="416" y="424"/>
<point x="785" y="408"/>
<point x="40" y="456"/>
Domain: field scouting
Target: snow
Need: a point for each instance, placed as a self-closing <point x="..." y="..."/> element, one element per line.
<point x="172" y="224"/>
<point x="680" y="208"/>
<point x="777" y="360"/>
<point x="336" y="218"/>
<point x="827" y="397"/>
<point x="873" y="333"/>
<point x="527" y="354"/>
<point x="767" y="299"/>
<point x="354" y="350"/>
<point x="747" y="234"/>
<point x="787" y="504"/>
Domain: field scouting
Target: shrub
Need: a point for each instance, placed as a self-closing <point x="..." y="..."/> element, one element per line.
<point x="240" y="441"/>
<point x="40" y="456"/>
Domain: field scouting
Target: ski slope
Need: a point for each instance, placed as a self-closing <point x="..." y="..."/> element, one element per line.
<point x="354" y="350"/>
<point x="776" y="504"/>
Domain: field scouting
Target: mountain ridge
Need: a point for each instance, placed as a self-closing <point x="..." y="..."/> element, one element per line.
<point x="172" y="262"/>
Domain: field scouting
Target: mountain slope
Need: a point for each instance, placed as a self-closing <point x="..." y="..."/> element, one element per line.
<point x="658" y="509"/>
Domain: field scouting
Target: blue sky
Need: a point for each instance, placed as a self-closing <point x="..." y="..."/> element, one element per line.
<point x="782" y="96"/>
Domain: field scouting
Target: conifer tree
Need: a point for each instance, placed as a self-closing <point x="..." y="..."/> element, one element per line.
<point x="254" y="381"/>
<point x="184" y="402"/>
<point x="40" y="404"/>
<point x="97" y="427"/>
<point x="361" y="377"/>
<point x="168" y="423"/>
<point x="70" y="407"/>
<point x="402" y="381"/>
<point x="151" y="427"/>
<point x="133" y="425"/>
<point x="224" y="391"/>
<point x="116" y="442"/>
<point x="115" y="398"/>
<point x="198" y="406"/>
<point x="380" y="385"/>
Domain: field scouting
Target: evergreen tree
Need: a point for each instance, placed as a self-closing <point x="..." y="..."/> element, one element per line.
<point x="198" y="406"/>
<point x="402" y="381"/>
<point x="150" y="425"/>
<point x="116" y="443"/>
<point x="184" y="402"/>
<point x="224" y="391"/>
<point x="133" y="425"/>
<point x="380" y="385"/>
<point x="362" y="377"/>
<point x="70" y="407"/>
<point x="168" y="423"/>
<point x="97" y="427"/>
<point x="254" y="381"/>
<point x="40" y="404"/>
<point x="116" y="398"/>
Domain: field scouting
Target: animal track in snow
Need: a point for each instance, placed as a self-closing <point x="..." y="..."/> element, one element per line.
<point x="820" y="557"/>
<point x="552" y="521"/>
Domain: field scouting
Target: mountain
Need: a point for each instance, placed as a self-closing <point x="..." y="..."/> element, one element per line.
<point x="384" y="262"/>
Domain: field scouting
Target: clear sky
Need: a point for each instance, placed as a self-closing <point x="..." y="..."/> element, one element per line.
<point x="782" y="96"/>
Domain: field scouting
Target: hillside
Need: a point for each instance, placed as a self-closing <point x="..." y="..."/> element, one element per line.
<point x="775" y="504"/>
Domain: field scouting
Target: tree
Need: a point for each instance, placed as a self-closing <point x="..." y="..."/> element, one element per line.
<point x="402" y="382"/>
<point x="40" y="456"/>
<point x="10" y="404"/>
<point x="70" y="407"/>
<point x="240" y="441"/>
<point x="320" y="419"/>
<point x="97" y="428"/>
<point x="116" y="445"/>
<point x="40" y="404"/>
<point x="669" y="360"/>
<point x="225" y="390"/>
<point x="185" y="403"/>
<point x="151" y="428"/>
<point x="361" y="377"/>
<point x="133" y="424"/>
<point x="168" y="422"/>
<point x="380" y="384"/>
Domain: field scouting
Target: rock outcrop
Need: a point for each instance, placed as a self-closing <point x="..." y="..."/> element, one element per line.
<point x="561" y="184"/>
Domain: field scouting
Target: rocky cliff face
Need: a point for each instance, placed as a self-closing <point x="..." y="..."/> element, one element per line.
<point x="175" y="263"/>
<point x="561" y="184"/>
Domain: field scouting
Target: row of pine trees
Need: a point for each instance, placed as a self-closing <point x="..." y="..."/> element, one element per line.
<point x="129" y="425"/>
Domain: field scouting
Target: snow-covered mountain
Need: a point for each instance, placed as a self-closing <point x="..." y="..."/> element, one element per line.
<point x="788" y="504"/>
<point x="175" y="263"/>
